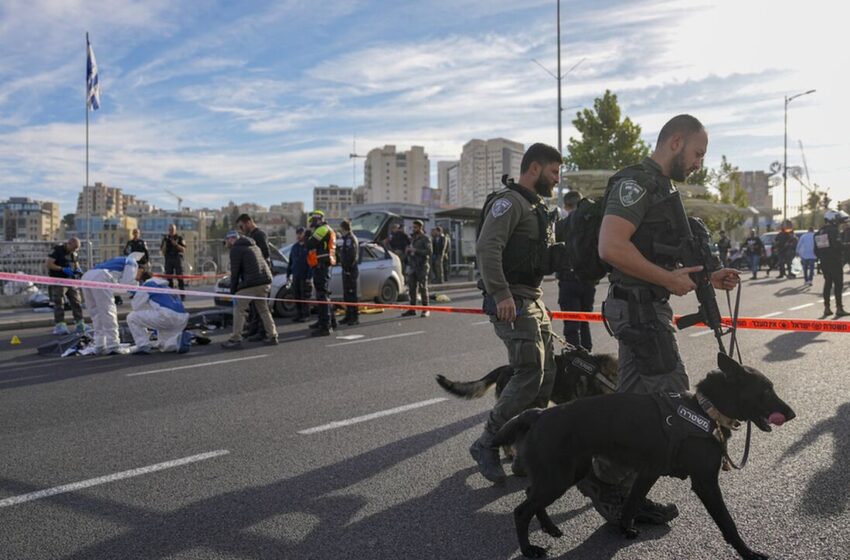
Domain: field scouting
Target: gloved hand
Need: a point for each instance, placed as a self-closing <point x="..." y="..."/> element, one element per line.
<point x="69" y="272"/>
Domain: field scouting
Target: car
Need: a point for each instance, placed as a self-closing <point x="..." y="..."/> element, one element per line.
<point x="739" y="260"/>
<point x="381" y="279"/>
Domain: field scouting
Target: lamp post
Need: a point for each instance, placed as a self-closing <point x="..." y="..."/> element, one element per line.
<point x="785" y="158"/>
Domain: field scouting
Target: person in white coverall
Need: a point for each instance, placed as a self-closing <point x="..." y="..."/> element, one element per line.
<point x="100" y="303"/>
<point x="162" y="312"/>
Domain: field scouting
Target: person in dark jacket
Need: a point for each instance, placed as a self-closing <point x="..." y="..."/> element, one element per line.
<point x="246" y="226"/>
<point x="349" y="249"/>
<point x="173" y="247"/>
<point x="418" y="262"/>
<point x="440" y="247"/>
<point x="574" y="294"/>
<point x="300" y="275"/>
<point x="249" y="276"/>
<point x="138" y="245"/>
<point x="723" y="248"/>
<point x="830" y="250"/>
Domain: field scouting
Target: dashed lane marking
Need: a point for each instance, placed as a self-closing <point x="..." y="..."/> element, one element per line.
<point x="774" y="314"/>
<point x="487" y="322"/>
<point x="796" y="307"/>
<point x="205" y="364"/>
<point x="358" y="419"/>
<point x="65" y="488"/>
<point x="375" y="339"/>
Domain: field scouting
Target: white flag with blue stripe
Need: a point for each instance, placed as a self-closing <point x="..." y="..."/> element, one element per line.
<point x="92" y="85"/>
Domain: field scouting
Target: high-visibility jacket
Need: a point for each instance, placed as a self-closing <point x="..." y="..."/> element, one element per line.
<point x="321" y="247"/>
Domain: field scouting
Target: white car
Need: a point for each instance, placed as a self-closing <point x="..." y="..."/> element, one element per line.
<point x="381" y="279"/>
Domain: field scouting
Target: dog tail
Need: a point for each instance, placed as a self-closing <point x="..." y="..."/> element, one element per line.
<point x="471" y="389"/>
<point x="516" y="426"/>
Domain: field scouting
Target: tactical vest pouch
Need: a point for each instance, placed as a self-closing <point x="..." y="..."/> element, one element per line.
<point x="653" y="347"/>
<point x="556" y="259"/>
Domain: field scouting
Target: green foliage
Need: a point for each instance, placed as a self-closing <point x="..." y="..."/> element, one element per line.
<point x="727" y="182"/>
<point x="607" y="142"/>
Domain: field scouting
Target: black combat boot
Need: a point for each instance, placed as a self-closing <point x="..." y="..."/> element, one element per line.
<point x="655" y="513"/>
<point x="487" y="458"/>
<point x="608" y="499"/>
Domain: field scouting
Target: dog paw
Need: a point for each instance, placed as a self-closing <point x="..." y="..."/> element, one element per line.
<point x="532" y="551"/>
<point x="630" y="532"/>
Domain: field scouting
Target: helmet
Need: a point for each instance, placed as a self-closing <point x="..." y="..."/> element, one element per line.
<point x="836" y="216"/>
<point x="317" y="213"/>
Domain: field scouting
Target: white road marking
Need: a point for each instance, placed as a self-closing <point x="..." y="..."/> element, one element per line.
<point x="795" y="308"/>
<point x="350" y="337"/>
<point x="375" y="339"/>
<point x="774" y="314"/>
<point x="357" y="420"/>
<point x="15" y="500"/>
<point x="487" y="322"/>
<point x="198" y="365"/>
<point x="701" y="333"/>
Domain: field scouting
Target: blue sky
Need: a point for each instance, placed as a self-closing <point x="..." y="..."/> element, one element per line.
<point x="260" y="101"/>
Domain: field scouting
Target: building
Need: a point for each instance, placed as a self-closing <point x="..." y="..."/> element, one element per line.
<point x="100" y="200"/>
<point x="107" y="235"/>
<point x="153" y="228"/>
<point x="396" y="177"/>
<point x="756" y="185"/>
<point x="24" y="219"/>
<point x="292" y="211"/>
<point x="482" y="164"/>
<point x="334" y="201"/>
<point x="444" y="172"/>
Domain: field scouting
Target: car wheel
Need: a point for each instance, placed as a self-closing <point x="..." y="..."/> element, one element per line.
<point x="284" y="308"/>
<point x="389" y="292"/>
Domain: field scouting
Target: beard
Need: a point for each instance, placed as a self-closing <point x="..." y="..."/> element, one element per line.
<point x="544" y="187"/>
<point x="677" y="168"/>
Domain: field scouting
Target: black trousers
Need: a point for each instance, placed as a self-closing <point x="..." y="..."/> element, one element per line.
<point x="321" y="281"/>
<point x="302" y="288"/>
<point x="174" y="265"/>
<point x="833" y="279"/>
<point x="349" y="292"/>
<point x="575" y="295"/>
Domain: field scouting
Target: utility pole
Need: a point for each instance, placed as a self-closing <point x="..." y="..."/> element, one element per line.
<point x="785" y="157"/>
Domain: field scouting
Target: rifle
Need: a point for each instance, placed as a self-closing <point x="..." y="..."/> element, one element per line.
<point x="694" y="250"/>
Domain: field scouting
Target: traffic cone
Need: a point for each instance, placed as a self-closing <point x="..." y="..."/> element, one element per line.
<point x="15" y="340"/>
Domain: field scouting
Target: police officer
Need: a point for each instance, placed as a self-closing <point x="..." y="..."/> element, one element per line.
<point x="574" y="294"/>
<point x="440" y="247"/>
<point x="349" y="249"/>
<point x="514" y="239"/>
<point x="418" y="262"/>
<point x="830" y="250"/>
<point x="137" y="245"/>
<point x="246" y="226"/>
<point x="638" y="214"/>
<point x="723" y="247"/>
<point x="173" y="247"/>
<point x="62" y="263"/>
<point x="321" y="256"/>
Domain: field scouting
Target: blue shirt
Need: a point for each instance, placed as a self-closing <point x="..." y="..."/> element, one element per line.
<point x="806" y="245"/>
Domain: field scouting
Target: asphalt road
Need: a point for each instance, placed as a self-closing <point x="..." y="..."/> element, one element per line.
<point x="338" y="448"/>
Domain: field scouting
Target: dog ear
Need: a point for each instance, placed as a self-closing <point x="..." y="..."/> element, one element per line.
<point x="728" y="365"/>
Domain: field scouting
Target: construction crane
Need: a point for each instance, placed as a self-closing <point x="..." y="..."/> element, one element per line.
<point x="353" y="157"/>
<point x="179" y="199"/>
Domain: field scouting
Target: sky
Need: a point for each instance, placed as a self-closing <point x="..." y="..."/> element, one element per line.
<point x="262" y="101"/>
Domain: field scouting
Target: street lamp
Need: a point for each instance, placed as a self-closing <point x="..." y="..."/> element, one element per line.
<point x="785" y="157"/>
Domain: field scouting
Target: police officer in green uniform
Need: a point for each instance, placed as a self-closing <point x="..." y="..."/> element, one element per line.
<point x="512" y="248"/>
<point x="638" y="217"/>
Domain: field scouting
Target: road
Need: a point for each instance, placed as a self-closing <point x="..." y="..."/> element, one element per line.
<point x="346" y="448"/>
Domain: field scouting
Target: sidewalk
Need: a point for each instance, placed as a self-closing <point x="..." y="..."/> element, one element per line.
<point x="25" y="318"/>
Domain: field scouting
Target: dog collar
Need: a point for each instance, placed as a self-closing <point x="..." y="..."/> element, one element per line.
<point x="721" y="419"/>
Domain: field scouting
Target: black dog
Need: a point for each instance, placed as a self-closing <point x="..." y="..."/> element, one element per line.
<point x="577" y="374"/>
<point x="664" y="434"/>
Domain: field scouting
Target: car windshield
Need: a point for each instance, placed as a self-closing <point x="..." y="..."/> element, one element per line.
<point x="366" y="226"/>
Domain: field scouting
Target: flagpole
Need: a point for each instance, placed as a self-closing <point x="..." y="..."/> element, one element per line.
<point x="85" y="194"/>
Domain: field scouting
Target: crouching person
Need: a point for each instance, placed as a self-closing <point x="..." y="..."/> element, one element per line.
<point x="161" y="312"/>
<point x="249" y="276"/>
<point x="100" y="302"/>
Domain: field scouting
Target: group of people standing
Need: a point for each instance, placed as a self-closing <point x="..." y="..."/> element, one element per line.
<point x="424" y="259"/>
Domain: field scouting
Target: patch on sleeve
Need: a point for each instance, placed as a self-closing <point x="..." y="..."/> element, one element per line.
<point x="630" y="192"/>
<point x="500" y="207"/>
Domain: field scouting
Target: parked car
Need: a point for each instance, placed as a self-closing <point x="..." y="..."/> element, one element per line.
<point x="739" y="260"/>
<point x="381" y="279"/>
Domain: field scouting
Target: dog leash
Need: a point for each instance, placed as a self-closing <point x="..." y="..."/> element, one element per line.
<point x="728" y="463"/>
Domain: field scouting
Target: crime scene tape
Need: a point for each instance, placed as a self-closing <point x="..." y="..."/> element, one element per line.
<point x="798" y="325"/>
<point x="188" y="276"/>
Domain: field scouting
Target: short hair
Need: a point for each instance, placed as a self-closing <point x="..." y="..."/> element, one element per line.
<point x="345" y="225"/>
<point x="680" y="124"/>
<point x="543" y="154"/>
<point x="299" y="230"/>
<point x="243" y="218"/>
<point x="571" y="198"/>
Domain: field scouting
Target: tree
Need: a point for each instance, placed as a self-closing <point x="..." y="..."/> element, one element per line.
<point x="69" y="221"/>
<point x="607" y="142"/>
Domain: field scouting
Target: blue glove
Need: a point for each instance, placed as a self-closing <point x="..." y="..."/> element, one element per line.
<point x="69" y="272"/>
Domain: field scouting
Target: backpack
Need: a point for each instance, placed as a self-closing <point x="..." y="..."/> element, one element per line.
<point x="581" y="236"/>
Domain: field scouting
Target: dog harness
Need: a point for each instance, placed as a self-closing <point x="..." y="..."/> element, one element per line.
<point x="683" y="418"/>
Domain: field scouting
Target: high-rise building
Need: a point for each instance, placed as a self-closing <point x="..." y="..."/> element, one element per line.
<point x="756" y="185"/>
<point x="100" y="200"/>
<point x="24" y="219"/>
<point x="396" y="177"/>
<point x="334" y="201"/>
<point x="482" y="164"/>
<point x="443" y="170"/>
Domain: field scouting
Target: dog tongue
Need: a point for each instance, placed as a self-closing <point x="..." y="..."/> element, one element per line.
<point x="777" y="419"/>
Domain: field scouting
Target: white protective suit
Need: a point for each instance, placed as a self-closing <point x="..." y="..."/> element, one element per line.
<point x="163" y="312"/>
<point x="100" y="303"/>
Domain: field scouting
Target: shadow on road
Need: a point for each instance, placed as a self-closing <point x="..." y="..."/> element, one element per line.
<point x="828" y="491"/>
<point x="319" y="515"/>
<point x="789" y="346"/>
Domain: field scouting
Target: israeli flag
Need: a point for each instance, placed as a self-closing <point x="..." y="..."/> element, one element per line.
<point x="92" y="85"/>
